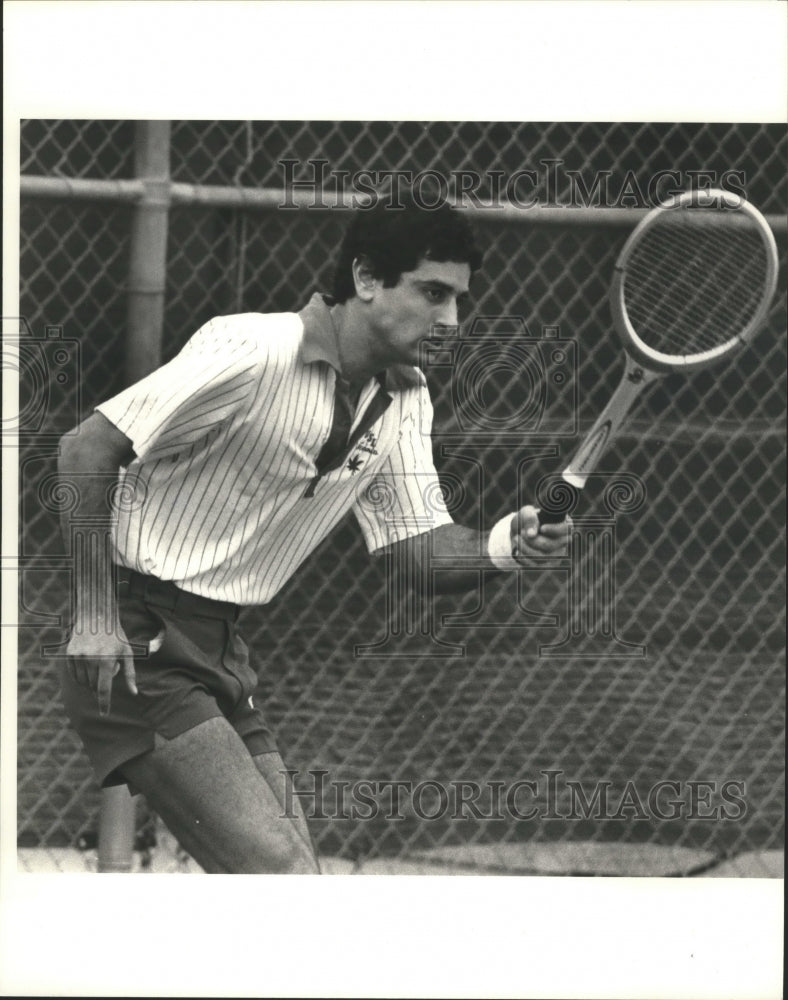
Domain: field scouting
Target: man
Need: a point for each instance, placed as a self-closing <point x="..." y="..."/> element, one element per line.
<point x="237" y="458"/>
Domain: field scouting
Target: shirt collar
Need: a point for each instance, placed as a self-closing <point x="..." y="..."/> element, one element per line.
<point x="320" y="344"/>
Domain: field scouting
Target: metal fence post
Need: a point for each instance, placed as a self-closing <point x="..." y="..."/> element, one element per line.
<point x="145" y="321"/>
<point x="148" y="264"/>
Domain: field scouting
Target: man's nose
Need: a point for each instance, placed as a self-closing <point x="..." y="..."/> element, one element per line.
<point x="449" y="315"/>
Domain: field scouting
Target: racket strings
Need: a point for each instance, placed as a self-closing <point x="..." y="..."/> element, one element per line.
<point x="692" y="297"/>
<point x="694" y="281"/>
<point x="694" y="313"/>
<point x="694" y="294"/>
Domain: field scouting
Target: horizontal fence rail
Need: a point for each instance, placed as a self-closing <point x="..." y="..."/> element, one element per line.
<point x="272" y="199"/>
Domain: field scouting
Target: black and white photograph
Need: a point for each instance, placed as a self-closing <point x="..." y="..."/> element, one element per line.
<point x="399" y="500"/>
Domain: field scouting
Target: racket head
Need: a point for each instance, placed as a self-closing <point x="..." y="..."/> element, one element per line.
<point x="694" y="281"/>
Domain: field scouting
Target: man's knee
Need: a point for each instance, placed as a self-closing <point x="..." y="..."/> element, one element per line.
<point x="273" y="855"/>
<point x="209" y="793"/>
<point x="296" y="860"/>
<point x="234" y="849"/>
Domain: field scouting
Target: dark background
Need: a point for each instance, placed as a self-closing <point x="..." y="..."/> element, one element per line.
<point x="699" y="567"/>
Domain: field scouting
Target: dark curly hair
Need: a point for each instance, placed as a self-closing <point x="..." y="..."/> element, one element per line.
<point x="395" y="240"/>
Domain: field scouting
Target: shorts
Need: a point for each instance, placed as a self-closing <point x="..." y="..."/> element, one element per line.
<point x="200" y="671"/>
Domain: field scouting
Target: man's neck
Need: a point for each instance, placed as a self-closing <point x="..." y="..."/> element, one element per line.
<point x="354" y="341"/>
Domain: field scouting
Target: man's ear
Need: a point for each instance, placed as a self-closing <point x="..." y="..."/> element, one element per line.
<point x="364" y="278"/>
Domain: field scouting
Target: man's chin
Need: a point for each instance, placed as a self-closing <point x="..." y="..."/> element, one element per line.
<point x="428" y="344"/>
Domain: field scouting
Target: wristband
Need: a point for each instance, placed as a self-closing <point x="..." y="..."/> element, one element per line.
<point x="499" y="544"/>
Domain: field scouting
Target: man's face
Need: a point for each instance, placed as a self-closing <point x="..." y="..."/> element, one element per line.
<point x="421" y="307"/>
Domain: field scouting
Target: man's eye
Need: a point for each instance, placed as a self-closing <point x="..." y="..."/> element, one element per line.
<point x="435" y="294"/>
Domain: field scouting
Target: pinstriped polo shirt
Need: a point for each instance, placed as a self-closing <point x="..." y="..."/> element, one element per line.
<point x="224" y="497"/>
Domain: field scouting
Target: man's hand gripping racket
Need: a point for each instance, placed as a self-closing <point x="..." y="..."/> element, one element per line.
<point x="692" y="285"/>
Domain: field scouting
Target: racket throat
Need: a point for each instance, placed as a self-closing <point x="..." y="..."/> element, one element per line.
<point x="586" y="459"/>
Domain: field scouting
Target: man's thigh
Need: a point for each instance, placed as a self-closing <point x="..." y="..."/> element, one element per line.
<point x="200" y="670"/>
<point x="209" y="792"/>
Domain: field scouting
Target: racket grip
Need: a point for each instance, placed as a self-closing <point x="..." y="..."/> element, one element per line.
<point x="551" y="516"/>
<point x="560" y="501"/>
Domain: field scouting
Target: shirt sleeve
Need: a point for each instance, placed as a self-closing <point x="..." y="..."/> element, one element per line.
<point x="185" y="400"/>
<point x="404" y="498"/>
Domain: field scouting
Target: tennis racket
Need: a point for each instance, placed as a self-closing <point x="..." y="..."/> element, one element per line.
<point x="691" y="287"/>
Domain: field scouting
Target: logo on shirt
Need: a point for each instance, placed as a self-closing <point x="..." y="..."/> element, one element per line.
<point x="368" y="443"/>
<point x="354" y="464"/>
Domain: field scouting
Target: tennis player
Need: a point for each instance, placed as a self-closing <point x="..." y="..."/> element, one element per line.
<point x="240" y="456"/>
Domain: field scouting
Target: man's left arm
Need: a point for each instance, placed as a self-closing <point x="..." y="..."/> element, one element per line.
<point x="401" y="511"/>
<point x="517" y="541"/>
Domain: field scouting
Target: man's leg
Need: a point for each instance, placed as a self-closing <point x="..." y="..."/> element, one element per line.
<point x="272" y="768"/>
<point x="213" y="799"/>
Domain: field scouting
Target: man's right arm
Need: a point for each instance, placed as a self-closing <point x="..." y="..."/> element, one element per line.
<point x="90" y="459"/>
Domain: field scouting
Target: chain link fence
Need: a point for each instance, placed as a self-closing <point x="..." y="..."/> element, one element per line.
<point x="688" y="687"/>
